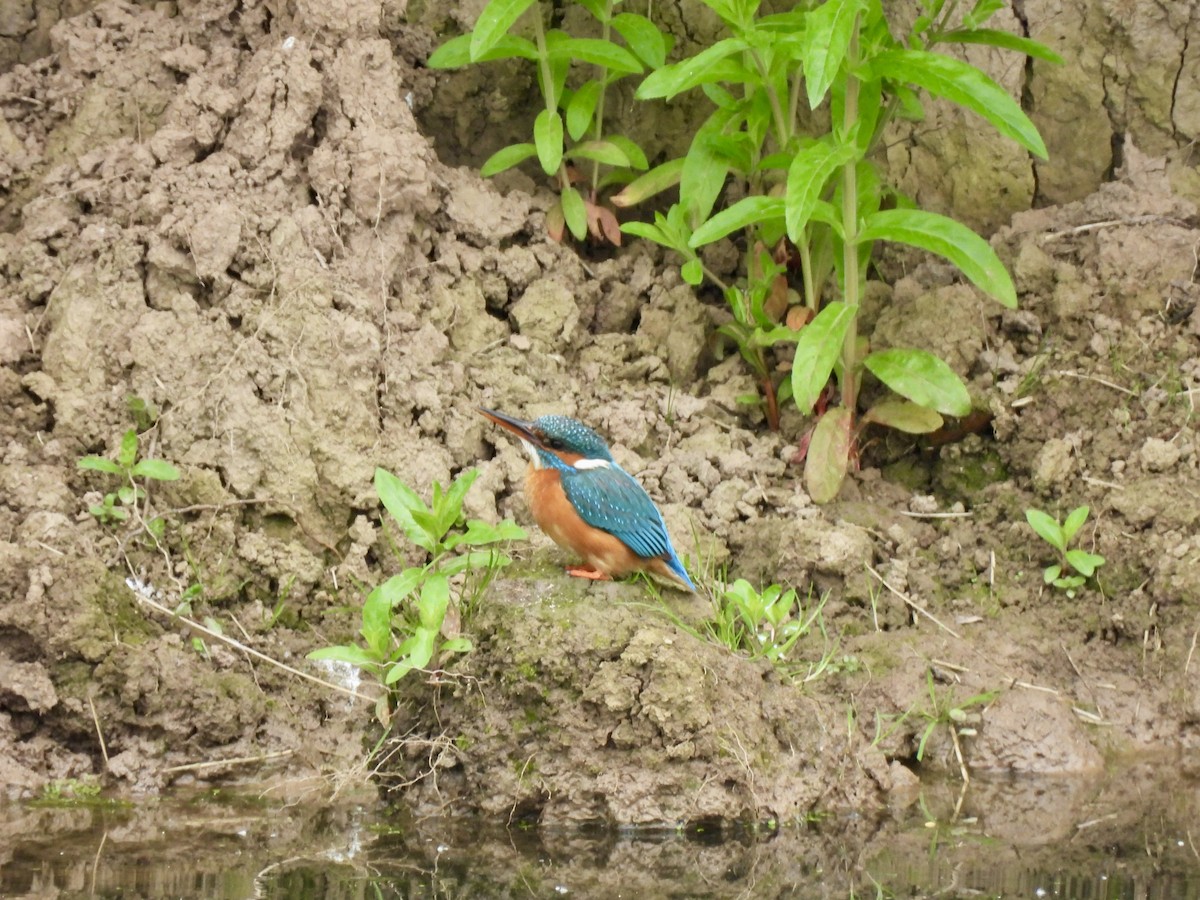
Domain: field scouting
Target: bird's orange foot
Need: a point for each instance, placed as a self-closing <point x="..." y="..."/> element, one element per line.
<point x="588" y="572"/>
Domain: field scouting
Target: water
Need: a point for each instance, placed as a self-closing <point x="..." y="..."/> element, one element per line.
<point x="1131" y="836"/>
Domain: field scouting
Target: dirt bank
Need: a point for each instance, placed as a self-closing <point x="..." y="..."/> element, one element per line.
<point x="230" y="212"/>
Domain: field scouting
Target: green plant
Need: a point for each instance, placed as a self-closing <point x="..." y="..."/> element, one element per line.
<point x="768" y="624"/>
<point x="570" y="129"/>
<point x="821" y="201"/>
<point x="956" y="717"/>
<point x="116" y="506"/>
<point x="1059" y="536"/>
<point x="409" y="622"/>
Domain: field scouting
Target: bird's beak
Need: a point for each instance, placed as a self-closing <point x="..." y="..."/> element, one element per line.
<point x="519" y="427"/>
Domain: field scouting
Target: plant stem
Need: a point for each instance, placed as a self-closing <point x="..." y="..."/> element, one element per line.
<point x="547" y="79"/>
<point x="804" y="248"/>
<point x="539" y="32"/>
<point x="782" y="131"/>
<point x="607" y="33"/>
<point x="850" y="229"/>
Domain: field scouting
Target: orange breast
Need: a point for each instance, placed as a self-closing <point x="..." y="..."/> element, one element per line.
<point x="557" y="517"/>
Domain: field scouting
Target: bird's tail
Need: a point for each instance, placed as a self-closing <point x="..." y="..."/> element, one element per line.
<point x="677" y="572"/>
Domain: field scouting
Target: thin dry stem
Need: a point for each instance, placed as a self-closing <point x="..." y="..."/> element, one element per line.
<point x="913" y="605"/>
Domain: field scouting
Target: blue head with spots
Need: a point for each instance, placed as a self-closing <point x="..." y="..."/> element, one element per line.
<point x="559" y="435"/>
<point x="555" y="442"/>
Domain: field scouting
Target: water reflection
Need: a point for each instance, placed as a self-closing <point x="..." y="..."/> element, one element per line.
<point x="1130" y="836"/>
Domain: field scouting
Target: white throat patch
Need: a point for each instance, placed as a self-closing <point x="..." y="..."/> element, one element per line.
<point x="533" y="454"/>
<point x="585" y="464"/>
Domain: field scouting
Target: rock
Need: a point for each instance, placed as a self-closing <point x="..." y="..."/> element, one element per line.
<point x="547" y="313"/>
<point x="1158" y="455"/>
<point x="1053" y="464"/>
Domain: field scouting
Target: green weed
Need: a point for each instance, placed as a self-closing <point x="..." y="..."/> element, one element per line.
<point x="821" y="201"/>
<point x="133" y="472"/>
<point x="1059" y="535"/>
<point x="765" y="625"/>
<point x="410" y="622"/>
<point x="568" y="133"/>
<point x="957" y="717"/>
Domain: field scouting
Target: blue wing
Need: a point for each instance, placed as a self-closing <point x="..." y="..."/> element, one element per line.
<point x="609" y="499"/>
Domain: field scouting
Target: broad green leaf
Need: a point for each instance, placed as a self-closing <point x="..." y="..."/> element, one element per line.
<point x="904" y="415"/>
<point x="595" y="7"/>
<point x="1074" y="522"/>
<point x="128" y="452"/>
<point x="127" y="494"/>
<point x="493" y="23"/>
<point x="1048" y="529"/>
<point x="947" y="238"/>
<point x="377" y="623"/>
<point x="828" y="455"/>
<point x="647" y="231"/>
<point x="457" y="645"/>
<point x="692" y="272"/>
<point x="476" y="559"/>
<point x="747" y="212"/>
<point x="817" y="350"/>
<point x="963" y="84"/>
<point x="435" y="597"/>
<point x="394" y="591"/>
<point x="637" y="157"/>
<point x="456" y="52"/>
<point x="1051" y="573"/>
<point x="808" y="174"/>
<point x="506" y="158"/>
<point x="922" y="377"/>
<point x="601" y="151"/>
<point x="827" y="33"/>
<point x="99" y="464"/>
<point x="448" y="508"/>
<point x="397" y="671"/>
<point x="158" y="469"/>
<point x="548" y="138"/>
<point x="704" y="171"/>
<point x="401" y="502"/>
<point x="581" y="107"/>
<point x="481" y="533"/>
<point x="575" y="212"/>
<point x="597" y="52"/>
<point x="643" y="38"/>
<point x="417" y="651"/>
<point x="428" y="523"/>
<point x="657" y="180"/>
<point x="347" y="653"/>
<point x="453" y="54"/>
<point x="1084" y="563"/>
<point x="668" y="81"/>
<point x="1002" y="39"/>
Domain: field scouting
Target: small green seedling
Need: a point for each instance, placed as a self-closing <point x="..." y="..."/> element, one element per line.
<point x="115" y="506"/>
<point x="409" y="621"/>
<point x="1059" y="536"/>
<point x="957" y="717"/>
<point x="767" y="624"/>
<point x="568" y="133"/>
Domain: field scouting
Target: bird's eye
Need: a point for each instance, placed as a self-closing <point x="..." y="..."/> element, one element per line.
<point x="554" y="443"/>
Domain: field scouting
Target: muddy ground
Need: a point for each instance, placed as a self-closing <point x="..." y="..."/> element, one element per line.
<point x="262" y="221"/>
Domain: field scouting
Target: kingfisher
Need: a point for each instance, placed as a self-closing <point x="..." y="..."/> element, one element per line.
<point x="590" y="505"/>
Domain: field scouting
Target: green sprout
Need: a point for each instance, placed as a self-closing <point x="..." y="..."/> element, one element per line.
<point x="569" y="131"/>
<point x="115" y="506"/>
<point x="411" y="621"/>
<point x="1058" y="535"/>
<point x="956" y="717"/>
